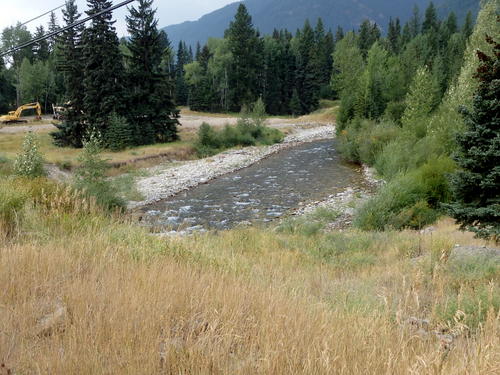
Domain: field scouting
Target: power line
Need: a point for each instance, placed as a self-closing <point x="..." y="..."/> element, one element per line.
<point x="54" y="33"/>
<point x="40" y="16"/>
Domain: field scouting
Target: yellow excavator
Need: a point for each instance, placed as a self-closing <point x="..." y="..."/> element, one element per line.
<point x="15" y="116"/>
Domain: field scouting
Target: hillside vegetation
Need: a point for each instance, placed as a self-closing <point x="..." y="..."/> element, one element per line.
<point x="290" y="14"/>
<point x="414" y="149"/>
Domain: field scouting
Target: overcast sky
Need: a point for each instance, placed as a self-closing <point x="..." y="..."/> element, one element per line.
<point x="169" y="11"/>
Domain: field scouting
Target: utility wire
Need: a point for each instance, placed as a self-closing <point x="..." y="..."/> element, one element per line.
<point x="40" y="16"/>
<point x="54" y="33"/>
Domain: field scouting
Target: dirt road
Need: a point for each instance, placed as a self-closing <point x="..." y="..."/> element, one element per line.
<point x="187" y="121"/>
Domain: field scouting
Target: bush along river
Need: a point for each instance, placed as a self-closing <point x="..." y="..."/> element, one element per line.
<point x="260" y="193"/>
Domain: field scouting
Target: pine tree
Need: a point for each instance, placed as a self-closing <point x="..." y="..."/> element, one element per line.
<point x="476" y="205"/>
<point x="246" y="48"/>
<point x="394" y="35"/>
<point x="41" y="49"/>
<point x="414" y="23"/>
<point x="69" y="61"/>
<point x="451" y="23"/>
<point x="103" y="71"/>
<point x="468" y="27"/>
<point x="369" y="33"/>
<point x="52" y="27"/>
<point x="151" y="108"/>
<point x="120" y="133"/>
<point x="339" y="34"/>
<point x="7" y="90"/>
<point x="431" y="23"/>
<point x="181" y="90"/>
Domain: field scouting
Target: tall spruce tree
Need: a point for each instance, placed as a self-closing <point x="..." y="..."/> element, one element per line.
<point x="103" y="71"/>
<point x="69" y="61"/>
<point x="181" y="89"/>
<point x="246" y="48"/>
<point x="431" y="22"/>
<point x="476" y="205"/>
<point x="151" y="110"/>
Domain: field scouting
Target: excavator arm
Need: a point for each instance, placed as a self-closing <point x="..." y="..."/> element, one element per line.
<point x="14" y="116"/>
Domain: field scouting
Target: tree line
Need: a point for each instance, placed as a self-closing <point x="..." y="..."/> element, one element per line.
<point x="120" y="91"/>
<point x="126" y="90"/>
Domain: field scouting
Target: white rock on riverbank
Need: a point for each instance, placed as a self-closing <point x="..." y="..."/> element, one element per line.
<point x="166" y="181"/>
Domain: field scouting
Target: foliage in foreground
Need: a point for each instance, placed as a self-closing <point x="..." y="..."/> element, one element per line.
<point x="264" y="301"/>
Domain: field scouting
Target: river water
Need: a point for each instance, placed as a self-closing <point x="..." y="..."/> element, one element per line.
<point x="260" y="193"/>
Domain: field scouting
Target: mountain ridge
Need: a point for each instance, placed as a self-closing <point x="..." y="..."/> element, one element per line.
<point x="291" y="14"/>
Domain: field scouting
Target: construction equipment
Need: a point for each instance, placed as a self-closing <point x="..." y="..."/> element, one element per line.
<point x="15" y="116"/>
<point x="59" y="112"/>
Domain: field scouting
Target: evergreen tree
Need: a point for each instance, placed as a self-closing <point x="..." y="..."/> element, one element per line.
<point x="245" y="46"/>
<point x="394" y="35"/>
<point x="308" y="69"/>
<point x="52" y="27"/>
<point x="451" y="23"/>
<point x="468" y="27"/>
<point x="7" y="89"/>
<point x="339" y="34"/>
<point x="476" y="205"/>
<point x="103" y="71"/>
<point x="414" y="23"/>
<point x="431" y="23"/>
<point x="120" y="134"/>
<point x="369" y="33"/>
<point x="70" y="62"/>
<point x="151" y="110"/>
<point x="181" y="90"/>
<point x="41" y="49"/>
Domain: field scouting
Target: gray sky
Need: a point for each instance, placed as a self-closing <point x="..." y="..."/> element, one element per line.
<point x="169" y="11"/>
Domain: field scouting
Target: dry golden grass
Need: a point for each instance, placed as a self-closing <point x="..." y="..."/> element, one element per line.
<point x="246" y="301"/>
<point x="11" y="144"/>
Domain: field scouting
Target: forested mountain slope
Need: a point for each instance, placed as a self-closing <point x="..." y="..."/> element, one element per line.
<point x="290" y="14"/>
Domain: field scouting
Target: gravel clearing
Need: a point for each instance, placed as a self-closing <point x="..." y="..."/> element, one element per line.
<point x="168" y="180"/>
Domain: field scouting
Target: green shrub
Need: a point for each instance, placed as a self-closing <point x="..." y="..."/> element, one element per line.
<point x="249" y="131"/>
<point x="409" y="201"/>
<point x="395" y="158"/>
<point x="373" y="138"/>
<point x="90" y="177"/>
<point x="29" y="163"/>
<point x="120" y="134"/>
<point x="394" y="111"/>
<point x="363" y="140"/>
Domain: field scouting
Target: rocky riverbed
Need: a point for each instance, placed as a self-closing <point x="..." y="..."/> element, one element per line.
<point x="168" y="180"/>
<point x="344" y="203"/>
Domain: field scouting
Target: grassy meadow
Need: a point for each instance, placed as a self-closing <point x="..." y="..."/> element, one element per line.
<point x="85" y="291"/>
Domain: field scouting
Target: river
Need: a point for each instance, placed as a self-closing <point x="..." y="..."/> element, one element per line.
<point x="260" y="193"/>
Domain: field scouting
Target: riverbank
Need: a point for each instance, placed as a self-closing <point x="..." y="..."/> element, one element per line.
<point x="168" y="180"/>
<point x="343" y="204"/>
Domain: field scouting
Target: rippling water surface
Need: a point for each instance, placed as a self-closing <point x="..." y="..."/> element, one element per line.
<point x="259" y="193"/>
